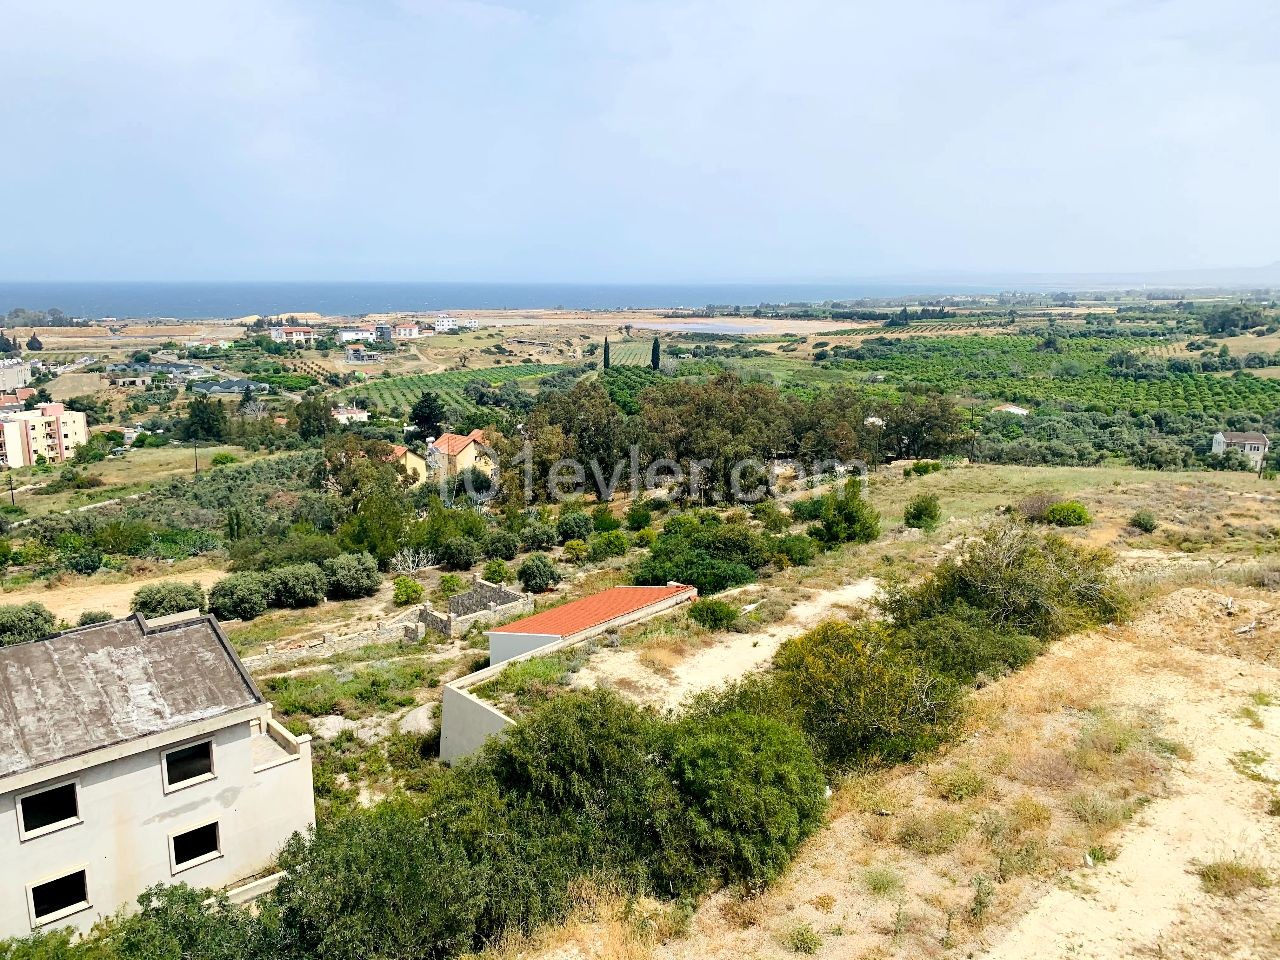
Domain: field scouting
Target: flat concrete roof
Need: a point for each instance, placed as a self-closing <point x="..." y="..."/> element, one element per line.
<point x="113" y="682"/>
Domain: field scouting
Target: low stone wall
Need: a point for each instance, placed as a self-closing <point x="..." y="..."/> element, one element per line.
<point x="485" y="602"/>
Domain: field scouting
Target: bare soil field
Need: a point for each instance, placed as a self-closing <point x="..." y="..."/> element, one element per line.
<point x="73" y="595"/>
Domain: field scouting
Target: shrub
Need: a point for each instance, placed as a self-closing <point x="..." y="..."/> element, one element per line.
<point x="771" y="516"/>
<point x="846" y="517"/>
<point x="407" y="591"/>
<point x="502" y="545"/>
<point x="1023" y="580"/>
<point x="222" y="459"/>
<point x="1068" y="513"/>
<point x="702" y="550"/>
<point x="802" y="938"/>
<point x="754" y="792"/>
<point x="240" y="596"/>
<point x="459" y="553"/>
<point x="576" y="551"/>
<point x="162" y="599"/>
<point x="450" y="585"/>
<point x="639" y="516"/>
<point x="922" y="512"/>
<point x="714" y="614"/>
<point x="497" y="571"/>
<point x="25" y="621"/>
<point x="388" y="881"/>
<point x="933" y="833"/>
<point x="1035" y="508"/>
<point x="538" y="574"/>
<point x="808" y="509"/>
<point x="644" y="538"/>
<point x="610" y="543"/>
<point x="860" y="698"/>
<point x="1230" y="877"/>
<point x="297" y="585"/>
<point x="352" y="575"/>
<point x="539" y="536"/>
<point x="964" y="644"/>
<point x="1145" y="521"/>
<point x="90" y="617"/>
<point x="574" y="526"/>
<point x="602" y="520"/>
<point x="796" y="549"/>
<point x="922" y="468"/>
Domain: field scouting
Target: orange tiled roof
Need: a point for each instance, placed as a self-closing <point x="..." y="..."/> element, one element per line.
<point x="600" y="608"/>
<point x="452" y="444"/>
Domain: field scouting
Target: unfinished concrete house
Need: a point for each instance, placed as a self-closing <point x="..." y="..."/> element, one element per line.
<point x="133" y="753"/>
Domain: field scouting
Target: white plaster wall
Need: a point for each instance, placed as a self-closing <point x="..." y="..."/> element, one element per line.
<point x="127" y="819"/>
<point x="504" y="646"/>
<point x="466" y="723"/>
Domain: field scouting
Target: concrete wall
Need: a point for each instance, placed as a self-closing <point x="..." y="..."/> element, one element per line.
<point x="505" y="646"/>
<point x="466" y="722"/>
<point x="259" y="795"/>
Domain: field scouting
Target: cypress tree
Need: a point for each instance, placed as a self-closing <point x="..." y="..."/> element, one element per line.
<point x="606" y="353"/>
<point x="655" y="355"/>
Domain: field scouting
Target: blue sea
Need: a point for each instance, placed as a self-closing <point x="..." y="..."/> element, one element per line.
<point x="187" y="301"/>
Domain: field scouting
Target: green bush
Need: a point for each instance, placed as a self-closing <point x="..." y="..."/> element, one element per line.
<point x="644" y="538"/>
<point x="754" y="791"/>
<point x="1145" y="521"/>
<point x="502" y="545"/>
<point x="1023" y="580"/>
<point x="459" y="553"/>
<point x="450" y="585"/>
<point x="922" y="468"/>
<point x="796" y="549"/>
<point x="497" y="571"/>
<point x="352" y="575"/>
<point x="714" y="614"/>
<point x="240" y="596"/>
<point x="539" y="536"/>
<point x="297" y="585"/>
<point x="610" y="543"/>
<point x="704" y="551"/>
<point x="846" y="517"/>
<point x="639" y="516"/>
<point x="922" y="512"/>
<point x="771" y="516"/>
<point x="222" y="459"/>
<point x="90" y="617"/>
<point x="1068" y="513"/>
<point x="407" y="591"/>
<point x="964" y="644"/>
<point x="25" y="621"/>
<point x="573" y="526"/>
<point x="862" y="700"/>
<point x="162" y="599"/>
<point x="576" y="551"/>
<point x="538" y="574"/>
<point x="602" y="520"/>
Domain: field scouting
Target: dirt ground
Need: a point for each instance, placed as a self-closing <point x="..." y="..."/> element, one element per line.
<point x="1172" y="720"/>
<point x="109" y="592"/>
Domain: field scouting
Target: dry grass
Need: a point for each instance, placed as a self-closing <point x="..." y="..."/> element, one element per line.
<point x="1232" y="875"/>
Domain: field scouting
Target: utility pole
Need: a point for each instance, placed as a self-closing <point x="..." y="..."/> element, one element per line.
<point x="12" y="499"/>
<point x="195" y="446"/>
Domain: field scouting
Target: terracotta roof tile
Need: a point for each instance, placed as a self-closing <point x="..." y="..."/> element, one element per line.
<point x="452" y="444"/>
<point x="592" y="611"/>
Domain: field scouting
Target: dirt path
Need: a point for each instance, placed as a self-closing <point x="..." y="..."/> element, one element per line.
<point x="731" y="655"/>
<point x="68" y="602"/>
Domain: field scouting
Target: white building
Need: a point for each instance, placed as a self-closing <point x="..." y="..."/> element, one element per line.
<point x="406" y="331"/>
<point x="50" y="431"/>
<point x="356" y="335"/>
<point x="134" y="753"/>
<point x="298" y="336"/>
<point x="1252" y="444"/>
<point x="1012" y="408"/>
<point x="346" y="415"/>
<point x="470" y="323"/>
<point x="445" y="324"/>
<point x="14" y="373"/>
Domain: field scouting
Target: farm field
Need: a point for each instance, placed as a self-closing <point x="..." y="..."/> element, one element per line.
<point x="402" y="392"/>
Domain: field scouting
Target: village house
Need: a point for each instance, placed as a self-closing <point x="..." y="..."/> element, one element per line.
<point x="345" y="415"/>
<point x="470" y="323"/>
<point x="356" y="335"/>
<point x="50" y="431"/>
<point x="132" y="753"/>
<point x="445" y="324"/>
<point x="453" y="453"/>
<point x="414" y="465"/>
<point x="15" y="373"/>
<point x="406" y="331"/>
<point x="1252" y="444"/>
<point x="297" y="336"/>
<point x="15" y="401"/>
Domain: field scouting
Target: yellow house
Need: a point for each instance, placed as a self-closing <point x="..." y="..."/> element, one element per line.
<point x="414" y="465"/>
<point x="457" y="453"/>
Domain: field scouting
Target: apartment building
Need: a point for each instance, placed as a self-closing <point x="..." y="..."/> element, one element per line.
<point x="50" y="431"/>
<point x="15" y="373"/>
<point x="132" y="753"/>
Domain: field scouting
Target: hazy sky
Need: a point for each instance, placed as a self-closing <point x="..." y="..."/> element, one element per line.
<point x="637" y="140"/>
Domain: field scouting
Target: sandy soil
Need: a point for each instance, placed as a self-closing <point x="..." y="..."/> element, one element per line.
<point x="68" y="602"/>
<point x="729" y="656"/>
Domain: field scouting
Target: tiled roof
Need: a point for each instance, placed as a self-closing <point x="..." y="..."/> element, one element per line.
<point x="452" y="444"/>
<point x="111" y="683"/>
<point x="1247" y="437"/>
<point x="593" y="611"/>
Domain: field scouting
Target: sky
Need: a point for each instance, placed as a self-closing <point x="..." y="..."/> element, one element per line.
<point x="635" y="140"/>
